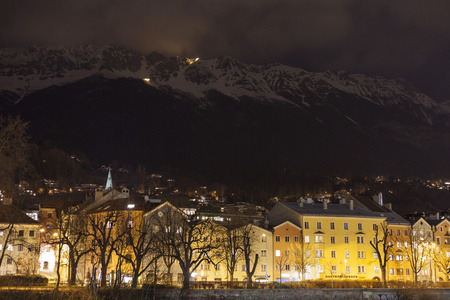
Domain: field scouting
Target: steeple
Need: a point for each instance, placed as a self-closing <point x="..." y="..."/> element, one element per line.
<point x="109" y="183"/>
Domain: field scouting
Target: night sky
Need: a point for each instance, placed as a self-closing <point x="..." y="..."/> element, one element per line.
<point x="408" y="39"/>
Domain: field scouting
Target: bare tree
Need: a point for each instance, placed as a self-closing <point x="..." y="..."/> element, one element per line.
<point x="103" y="236"/>
<point x="232" y="243"/>
<point x="139" y="243"/>
<point x="442" y="259"/>
<point x="249" y="251"/>
<point x="188" y="237"/>
<point x="280" y="262"/>
<point x="301" y="257"/>
<point x="13" y="151"/>
<point x="416" y="253"/>
<point x="382" y="246"/>
<point x="75" y="238"/>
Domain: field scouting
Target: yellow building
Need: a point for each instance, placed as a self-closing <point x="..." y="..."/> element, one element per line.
<point x="337" y="237"/>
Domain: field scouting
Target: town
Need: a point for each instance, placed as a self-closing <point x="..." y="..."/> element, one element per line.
<point x="115" y="239"/>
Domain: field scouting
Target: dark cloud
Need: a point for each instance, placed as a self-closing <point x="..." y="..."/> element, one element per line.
<point x="388" y="38"/>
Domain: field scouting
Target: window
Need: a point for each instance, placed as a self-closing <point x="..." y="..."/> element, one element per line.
<point x="361" y="254"/>
<point x="31" y="233"/>
<point x="1" y="247"/>
<point x="296" y="268"/>
<point x="286" y="238"/>
<point x="360" y="240"/>
<point x="347" y="269"/>
<point x="21" y="233"/>
<point x="286" y="253"/>
<point x="333" y="239"/>
<point x="375" y="227"/>
<point x="297" y="253"/>
<point x="399" y="244"/>
<point x="399" y="257"/>
<point x="109" y="224"/>
<point x="263" y="253"/>
<point x="346" y="240"/>
<point x="20" y="248"/>
<point x="399" y="271"/>
<point x="389" y="231"/>
<point x="45" y="267"/>
<point x="217" y="267"/>
<point x="307" y="239"/>
<point x="398" y="232"/>
<point x="9" y="260"/>
<point x="333" y="253"/>
<point x="374" y="240"/>
<point x="360" y="226"/>
<point x="319" y="225"/>
<point x="391" y="257"/>
<point x="130" y="224"/>
<point x="263" y="268"/>
<point x="391" y="271"/>
<point x="287" y="267"/>
<point x="319" y="253"/>
<point x="441" y="228"/>
<point x="377" y="269"/>
<point x="347" y="253"/>
<point x="1" y="233"/>
<point x="333" y="269"/>
<point x="407" y="271"/>
<point x="406" y="244"/>
<point x="243" y="268"/>
<point x="320" y="268"/>
<point x="375" y="255"/>
<point x="9" y="247"/>
<point x="307" y="253"/>
<point x="332" y="225"/>
<point x="49" y="215"/>
<point x="346" y="226"/>
<point x="277" y="253"/>
<point x="406" y="257"/>
<point x="277" y="238"/>
<point x="296" y="239"/>
<point x="264" y="239"/>
<point x="306" y="225"/>
<point x="405" y="232"/>
<point x="206" y="267"/>
<point x="361" y="269"/>
<point x="448" y="253"/>
<point x="319" y="239"/>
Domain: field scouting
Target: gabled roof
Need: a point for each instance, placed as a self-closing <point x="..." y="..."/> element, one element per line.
<point x="287" y="222"/>
<point x="123" y="204"/>
<point x="10" y="213"/>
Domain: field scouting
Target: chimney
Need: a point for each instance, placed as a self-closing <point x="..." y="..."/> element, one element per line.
<point x="437" y="215"/>
<point x="98" y="194"/>
<point x="388" y="205"/>
<point x="300" y="202"/>
<point x="325" y="204"/>
<point x="351" y="205"/>
<point x="378" y="198"/>
<point x="342" y="201"/>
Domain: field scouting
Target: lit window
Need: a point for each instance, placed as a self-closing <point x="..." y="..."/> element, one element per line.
<point x="307" y="239"/>
<point x="319" y="239"/>
<point x="277" y="253"/>
<point x="377" y="269"/>
<point x="9" y="247"/>
<point x="319" y="253"/>
<point x="347" y="253"/>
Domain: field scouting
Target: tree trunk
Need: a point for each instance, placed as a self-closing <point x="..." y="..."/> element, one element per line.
<point x="383" y="277"/>
<point x="73" y="269"/>
<point x="103" y="274"/>
<point x="58" y="266"/>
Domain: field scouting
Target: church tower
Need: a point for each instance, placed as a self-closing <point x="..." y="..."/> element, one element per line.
<point x="109" y="183"/>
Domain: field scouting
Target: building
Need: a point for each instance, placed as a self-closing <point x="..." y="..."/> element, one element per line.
<point x="19" y="242"/>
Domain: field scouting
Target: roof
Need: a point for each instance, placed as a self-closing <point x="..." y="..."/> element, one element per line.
<point x="333" y="210"/>
<point x="10" y="213"/>
<point x="124" y="204"/>
<point x="391" y="216"/>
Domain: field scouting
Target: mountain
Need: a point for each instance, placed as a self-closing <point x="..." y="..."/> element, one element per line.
<point x="221" y="117"/>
